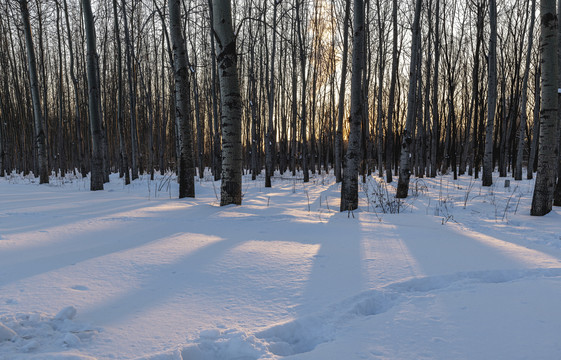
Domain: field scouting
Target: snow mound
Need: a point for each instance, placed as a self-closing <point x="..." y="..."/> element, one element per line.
<point x="44" y="337"/>
<point x="229" y="344"/>
<point x="168" y="355"/>
<point x="6" y="333"/>
<point x="67" y="313"/>
<point x="295" y="337"/>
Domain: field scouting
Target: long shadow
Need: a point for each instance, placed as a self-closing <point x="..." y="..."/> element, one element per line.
<point x="190" y="274"/>
<point x="43" y="214"/>
<point x="186" y="274"/>
<point x="542" y="235"/>
<point x="336" y="272"/>
<point x="42" y="211"/>
<point x="341" y="270"/>
<point x="445" y="249"/>
<point x="78" y="246"/>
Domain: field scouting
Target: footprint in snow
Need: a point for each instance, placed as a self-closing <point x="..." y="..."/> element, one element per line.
<point x="304" y="334"/>
<point x="79" y="287"/>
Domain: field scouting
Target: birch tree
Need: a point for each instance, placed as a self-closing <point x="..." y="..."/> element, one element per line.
<point x="557" y="189"/>
<point x="182" y="107"/>
<point x="123" y="157"/>
<point x="269" y="141"/>
<point x="129" y="50"/>
<point x="341" y="106"/>
<point x="523" y="102"/>
<point x="405" y="161"/>
<point x="39" y="141"/>
<point x="349" y="189"/>
<point x="227" y="61"/>
<point x="542" y="200"/>
<point x="487" y="177"/>
<point x="94" y="104"/>
<point x="391" y="105"/>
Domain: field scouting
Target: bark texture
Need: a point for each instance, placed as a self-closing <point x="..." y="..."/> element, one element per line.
<point x="542" y="200"/>
<point x="35" y="97"/>
<point x="94" y="104"/>
<point x="492" y="98"/>
<point x="523" y="102"/>
<point x="269" y="141"/>
<point x="226" y="58"/>
<point x="182" y="105"/>
<point x="349" y="190"/>
<point x="341" y="106"/>
<point x="405" y="161"/>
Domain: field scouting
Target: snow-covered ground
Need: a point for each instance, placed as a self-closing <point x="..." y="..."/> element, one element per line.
<point x="462" y="272"/>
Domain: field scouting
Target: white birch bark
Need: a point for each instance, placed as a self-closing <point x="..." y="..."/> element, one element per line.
<point x="542" y="200"/>
<point x="226" y="58"/>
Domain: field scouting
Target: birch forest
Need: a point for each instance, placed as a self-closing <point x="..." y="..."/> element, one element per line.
<point x="393" y="89"/>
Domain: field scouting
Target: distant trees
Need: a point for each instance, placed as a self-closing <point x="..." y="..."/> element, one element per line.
<point x="434" y="95"/>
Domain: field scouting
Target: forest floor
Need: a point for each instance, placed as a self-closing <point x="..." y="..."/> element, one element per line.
<point x="131" y="272"/>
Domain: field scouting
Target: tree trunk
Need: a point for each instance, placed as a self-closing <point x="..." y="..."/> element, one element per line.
<point x="303" y="116"/>
<point x="253" y="96"/>
<point x="39" y="141"/>
<point x="523" y="115"/>
<point x="182" y="106"/>
<point x="123" y="157"/>
<point x="132" y="94"/>
<point x="60" y="90"/>
<point x="557" y="191"/>
<point x="349" y="189"/>
<point x="94" y="104"/>
<point x="217" y="152"/>
<point x="427" y="110"/>
<point x="487" y="178"/>
<point x="405" y="161"/>
<point x="269" y="141"/>
<point x="379" y="109"/>
<point x="391" y="105"/>
<point x="547" y="158"/>
<point x="341" y="111"/>
<point x="78" y="119"/>
<point x="231" y="189"/>
<point x="472" y="148"/>
<point x="294" y="109"/>
<point x="536" y="127"/>
<point x="43" y="84"/>
<point x="198" y="120"/>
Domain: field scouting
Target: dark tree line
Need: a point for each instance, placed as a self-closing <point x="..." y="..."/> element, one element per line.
<point x="432" y="86"/>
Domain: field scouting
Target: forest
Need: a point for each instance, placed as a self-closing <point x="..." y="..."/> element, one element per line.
<point x="363" y="88"/>
<point x="394" y="160"/>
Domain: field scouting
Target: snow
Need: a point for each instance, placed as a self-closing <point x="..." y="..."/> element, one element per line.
<point x="132" y="272"/>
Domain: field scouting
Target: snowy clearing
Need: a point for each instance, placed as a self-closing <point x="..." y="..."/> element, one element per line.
<point x="131" y="272"/>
